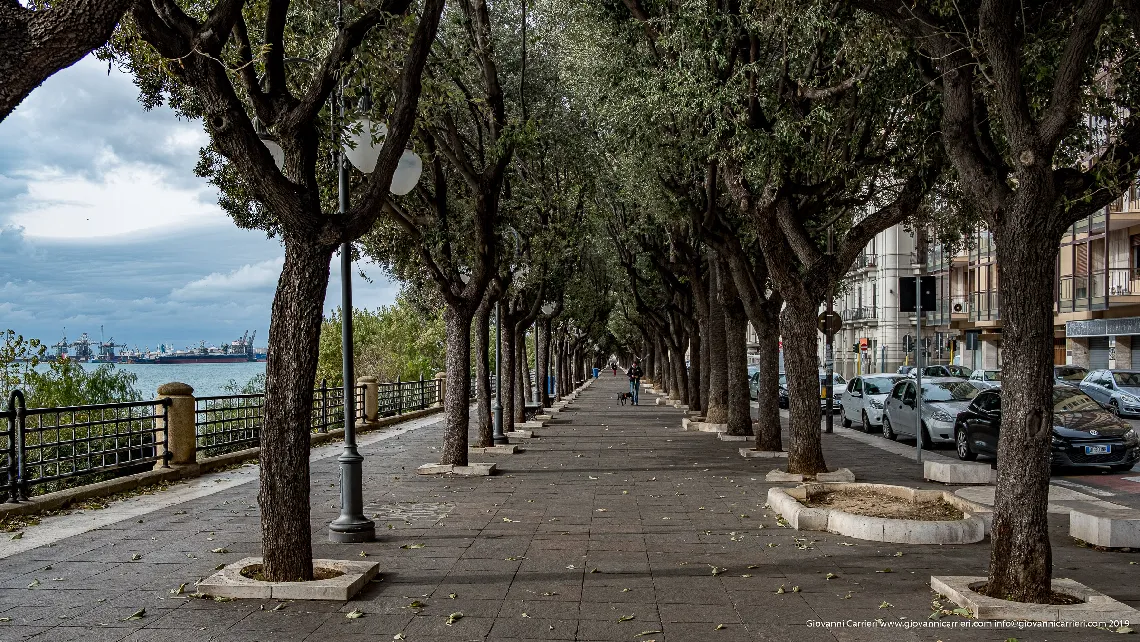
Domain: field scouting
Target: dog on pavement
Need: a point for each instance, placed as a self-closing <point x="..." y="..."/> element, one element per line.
<point x="625" y="396"/>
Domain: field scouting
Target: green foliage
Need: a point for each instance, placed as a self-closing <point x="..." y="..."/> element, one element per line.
<point x="18" y="357"/>
<point x="254" y="386"/>
<point x="64" y="382"/>
<point x="401" y="341"/>
<point x="67" y="383"/>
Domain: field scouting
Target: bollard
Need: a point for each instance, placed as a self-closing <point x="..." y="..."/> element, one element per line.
<point x="370" y="414"/>
<point x="441" y="387"/>
<point x="181" y="435"/>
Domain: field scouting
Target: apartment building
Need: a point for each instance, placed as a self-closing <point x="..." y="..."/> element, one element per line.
<point x="1096" y="294"/>
<point x="875" y="336"/>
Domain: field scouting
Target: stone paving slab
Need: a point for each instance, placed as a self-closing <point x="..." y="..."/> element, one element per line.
<point x="614" y="514"/>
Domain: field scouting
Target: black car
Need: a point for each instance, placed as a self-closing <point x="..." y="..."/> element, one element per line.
<point x="1071" y="375"/>
<point x="1084" y="434"/>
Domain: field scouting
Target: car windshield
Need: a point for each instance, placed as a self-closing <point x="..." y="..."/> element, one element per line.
<point x="879" y="385"/>
<point x="992" y="375"/>
<point x="1127" y="379"/>
<point x="948" y="391"/>
<point x="1067" y="399"/>
<point x="783" y="379"/>
<point x="959" y="371"/>
<point x="835" y="380"/>
<point x="1070" y="374"/>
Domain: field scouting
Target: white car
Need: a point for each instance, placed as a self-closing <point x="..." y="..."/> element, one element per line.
<point x="983" y="379"/>
<point x="865" y="399"/>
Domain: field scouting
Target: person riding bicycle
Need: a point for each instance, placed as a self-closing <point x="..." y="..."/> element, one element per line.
<point x="634" y="373"/>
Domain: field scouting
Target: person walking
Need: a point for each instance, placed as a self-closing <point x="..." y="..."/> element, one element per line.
<point x="613" y="365"/>
<point x="634" y="374"/>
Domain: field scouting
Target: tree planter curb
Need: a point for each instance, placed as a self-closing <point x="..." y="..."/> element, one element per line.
<point x="723" y="436"/>
<point x="971" y="529"/>
<point x="503" y="449"/>
<point x="1095" y="607"/>
<point x="519" y="434"/>
<point x="948" y="471"/>
<point x="472" y="470"/>
<point x="1105" y="527"/>
<point x="838" y="475"/>
<point x="704" y="426"/>
<point x="764" y="454"/>
<point x="229" y="582"/>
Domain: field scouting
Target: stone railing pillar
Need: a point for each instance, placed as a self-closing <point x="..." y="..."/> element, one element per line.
<point x="441" y="377"/>
<point x="182" y="438"/>
<point x="370" y="414"/>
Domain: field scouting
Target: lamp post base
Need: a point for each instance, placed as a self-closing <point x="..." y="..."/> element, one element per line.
<point x="352" y="533"/>
<point x="351" y="526"/>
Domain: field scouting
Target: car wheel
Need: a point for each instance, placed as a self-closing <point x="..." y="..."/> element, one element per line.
<point x="888" y="431"/>
<point x="1120" y="468"/>
<point x="963" y="442"/>
<point x="926" y="443"/>
<point x="865" y="421"/>
<point x="846" y="421"/>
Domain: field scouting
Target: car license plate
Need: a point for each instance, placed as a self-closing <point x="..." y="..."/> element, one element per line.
<point x="1098" y="450"/>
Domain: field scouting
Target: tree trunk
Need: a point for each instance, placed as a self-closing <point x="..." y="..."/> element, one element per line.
<point x="1020" y="554"/>
<point x="695" y="371"/>
<point x="797" y="325"/>
<point x="520" y="367"/>
<point x="706" y="366"/>
<point x="528" y="382"/>
<point x="736" y="356"/>
<point x="717" y="410"/>
<point x="768" y="391"/>
<point x="507" y="394"/>
<point x="457" y="399"/>
<point x="541" y="360"/>
<point x="294" y="337"/>
<point x="483" y="372"/>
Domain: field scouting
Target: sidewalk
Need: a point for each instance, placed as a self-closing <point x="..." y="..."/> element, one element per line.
<point x="613" y="525"/>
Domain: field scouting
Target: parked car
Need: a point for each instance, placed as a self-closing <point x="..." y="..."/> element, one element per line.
<point x="957" y="372"/>
<point x="942" y="399"/>
<point x="1116" y="390"/>
<point x="839" y="388"/>
<point x="865" y="399"/>
<point x="1083" y="433"/>
<point x="905" y="370"/>
<point x="1071" y="375"/>
<point x="983" y="379"/>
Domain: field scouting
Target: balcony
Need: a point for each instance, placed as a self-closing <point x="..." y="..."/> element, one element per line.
<point x="864" y="261"/>
<point x="863" y="314"/>
<point x="983" y="306"/>
<point x="1098" y="290"/>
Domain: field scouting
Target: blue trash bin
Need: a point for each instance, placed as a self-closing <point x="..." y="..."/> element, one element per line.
<point x="596" y="371"/>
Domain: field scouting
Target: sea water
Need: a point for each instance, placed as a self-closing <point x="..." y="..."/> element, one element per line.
<point x="207" y="379"/>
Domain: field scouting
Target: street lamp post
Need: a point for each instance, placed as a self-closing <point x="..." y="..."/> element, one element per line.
<point x="544" y="396"/>
<point x="363" y="152"/>
<point x="497" y="407"/>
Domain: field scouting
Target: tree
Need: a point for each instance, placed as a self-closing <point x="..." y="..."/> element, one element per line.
<point x="45" y="37"/>
<point x="202" y="58"/>
<point x="1040" y="119"/>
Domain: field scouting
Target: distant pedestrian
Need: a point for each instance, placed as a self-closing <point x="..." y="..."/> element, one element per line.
<point x="613" y="365"/>
<point x="634" y="373"/>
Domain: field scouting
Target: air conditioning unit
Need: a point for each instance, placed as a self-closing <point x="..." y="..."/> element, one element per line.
<point x="958" y="307"/>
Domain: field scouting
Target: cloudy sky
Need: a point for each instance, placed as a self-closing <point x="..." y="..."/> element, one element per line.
<point x="103" y="223"/>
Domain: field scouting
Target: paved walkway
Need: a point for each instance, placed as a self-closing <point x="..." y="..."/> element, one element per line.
<point x="613" y="525"/>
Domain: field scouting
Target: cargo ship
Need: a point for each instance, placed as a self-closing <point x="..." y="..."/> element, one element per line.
<point x="237" y="351"/>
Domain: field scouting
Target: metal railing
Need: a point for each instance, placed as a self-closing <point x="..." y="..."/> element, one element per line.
<point x="226" y="423"/>
<point x="860" y="314"/>
<point x="407" y="396"/>
<point x="49" y="449"/>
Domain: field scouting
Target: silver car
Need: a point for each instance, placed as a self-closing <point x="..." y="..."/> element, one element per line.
<point x="1116" y="390"/>
<point x="942" y="399"/>
<point x="865" y="398"/>
<point x="983" y="379"/>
